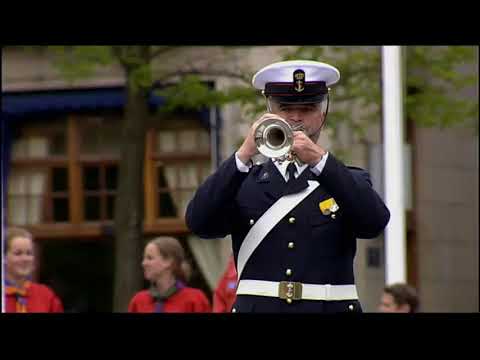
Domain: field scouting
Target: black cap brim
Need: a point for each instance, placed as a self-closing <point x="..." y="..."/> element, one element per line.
<point x="311" y="99"/>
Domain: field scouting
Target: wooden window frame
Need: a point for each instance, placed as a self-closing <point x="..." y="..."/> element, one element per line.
<point x="47" y="164"/>
<point x="74" y="161"/>
<point x="154" y="223"/>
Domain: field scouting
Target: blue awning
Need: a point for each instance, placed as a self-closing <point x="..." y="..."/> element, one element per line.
<point x="60" y="101"/>
<point x="17" y="106"/>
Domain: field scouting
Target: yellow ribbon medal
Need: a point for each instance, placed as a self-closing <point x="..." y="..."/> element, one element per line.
<point x="328" y="206"/>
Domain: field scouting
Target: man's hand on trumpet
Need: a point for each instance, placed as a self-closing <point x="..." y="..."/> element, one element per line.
<point x="306" y="150"/>
<point x="248" y="149"/>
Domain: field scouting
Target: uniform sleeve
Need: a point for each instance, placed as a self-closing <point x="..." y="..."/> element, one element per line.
<point x="219" y="302"/>
<point x="51" y="303"/>
<point x="352" y="190"/>
<point x="317" y="169"/>
<point x="201" y="303"/>
<point x="241" y="166"/>
<point x="132" y="306"/>
<point x="56" y="305"/>
<point x="219" y="305"/>
<point x="210" y="212"/>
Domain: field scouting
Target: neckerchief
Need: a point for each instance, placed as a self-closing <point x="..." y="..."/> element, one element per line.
<point x="161" y="298"/>
<point x="20" y="293"/>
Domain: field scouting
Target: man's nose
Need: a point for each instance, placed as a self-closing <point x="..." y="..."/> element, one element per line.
<point x="294" y="116"/>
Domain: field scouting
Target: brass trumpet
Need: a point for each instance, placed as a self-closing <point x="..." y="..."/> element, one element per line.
<point x="274" y="139"/>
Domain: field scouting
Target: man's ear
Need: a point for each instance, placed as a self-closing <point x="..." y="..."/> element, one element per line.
<point x="266" y="101"/>
<point x="325" y="113"/>
<point x="328" y="104"/>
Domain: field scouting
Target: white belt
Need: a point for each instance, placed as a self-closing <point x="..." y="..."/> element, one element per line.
<point x="297" y="291"/>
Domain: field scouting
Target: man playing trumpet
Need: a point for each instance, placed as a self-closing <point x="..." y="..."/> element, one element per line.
<point x="294" y="224"/>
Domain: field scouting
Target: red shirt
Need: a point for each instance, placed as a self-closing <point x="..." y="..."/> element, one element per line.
<point x="40" y="299"/>
<point x="225" y="293"/>
<point x="185" y="300"/>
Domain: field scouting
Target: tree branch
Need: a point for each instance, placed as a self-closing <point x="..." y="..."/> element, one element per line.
<point x="207" y="72"/>
<point x="161" y="50"/>
<point x="118" y="53"/>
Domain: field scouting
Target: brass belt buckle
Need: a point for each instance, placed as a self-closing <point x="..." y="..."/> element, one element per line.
<point x="289" y="290"/>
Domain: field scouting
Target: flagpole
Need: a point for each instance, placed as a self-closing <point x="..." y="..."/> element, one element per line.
<point x="2" y="217"/>
<point x="393" y="122"/>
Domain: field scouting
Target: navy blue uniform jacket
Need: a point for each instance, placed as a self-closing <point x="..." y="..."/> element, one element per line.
<point x="324" y="247"/>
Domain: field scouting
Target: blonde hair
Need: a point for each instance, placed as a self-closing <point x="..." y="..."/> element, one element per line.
<point x="170" y="248"/>
<point x="14" y="232"/>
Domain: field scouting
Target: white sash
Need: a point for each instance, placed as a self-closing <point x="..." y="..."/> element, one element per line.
<point x="267" y="221"/>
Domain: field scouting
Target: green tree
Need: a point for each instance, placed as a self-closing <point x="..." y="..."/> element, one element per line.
<point x="76" y="62"/>
<point x="80" y="61"/>
<point x="434" y="80"/>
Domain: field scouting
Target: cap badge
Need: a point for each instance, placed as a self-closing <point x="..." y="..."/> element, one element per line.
<point x="299" y="80"/>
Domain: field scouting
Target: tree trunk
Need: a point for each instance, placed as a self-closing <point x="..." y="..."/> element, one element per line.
<point x="129" y="206"/>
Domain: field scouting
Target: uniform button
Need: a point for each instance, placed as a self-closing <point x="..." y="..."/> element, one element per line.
<point x="288" y="272"/>
<point x="289" y="301"/>
<point x="291" y="220"/>
<point x="350" y="307"/>
<point x="334" y="216"/>
<point x="291" y="245"/>
<point x="252" y="221"/>
<point x="234" y="310"/>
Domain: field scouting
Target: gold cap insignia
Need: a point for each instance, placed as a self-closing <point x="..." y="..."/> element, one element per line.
<point x="299" y="80"/>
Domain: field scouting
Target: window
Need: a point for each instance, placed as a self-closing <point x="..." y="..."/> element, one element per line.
<point x="99" y="136"/>
<point x="98" y="158"/>
<point x="59" y="194"/>
<point x="99" y="189"/>
<point x="26" y="189"/>
<point x="66" y="172"/>
<point x="182" y="162"/>
<point x="38" y="178"/>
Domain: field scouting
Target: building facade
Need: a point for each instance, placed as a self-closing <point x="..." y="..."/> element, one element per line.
<point x="63" y="170"/>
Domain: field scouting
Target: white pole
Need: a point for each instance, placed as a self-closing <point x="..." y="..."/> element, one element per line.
<point x="2" y="218"/>
<point x="395" y="249"/>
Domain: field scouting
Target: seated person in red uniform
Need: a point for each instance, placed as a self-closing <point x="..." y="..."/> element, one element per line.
<point x="166" y="268"/>
<point x="225" y="293"/>
<point x="21" y="294"/>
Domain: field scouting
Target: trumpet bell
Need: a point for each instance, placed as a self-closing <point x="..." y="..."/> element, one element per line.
<point x="274" y="137"/>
